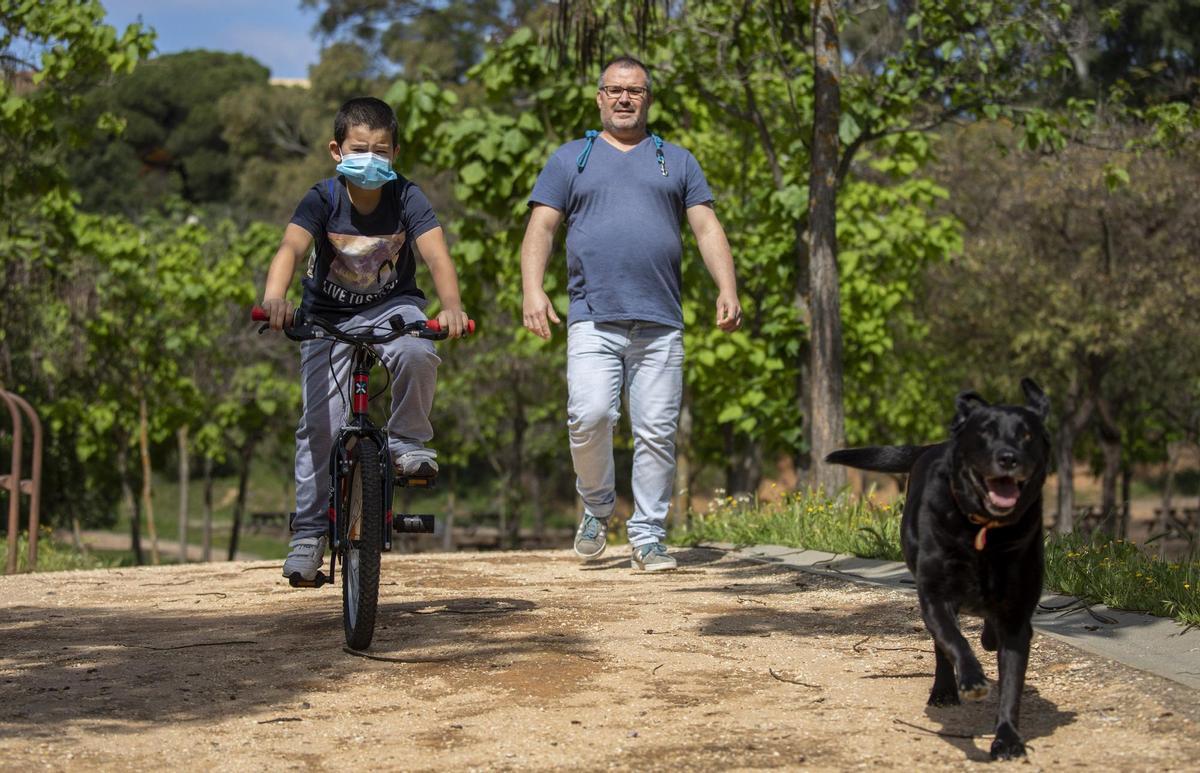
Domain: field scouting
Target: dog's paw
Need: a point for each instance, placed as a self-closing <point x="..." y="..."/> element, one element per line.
<point x="1008" y="745"/>
<point x="943" y="697"/>
<point x="974" y="689"/>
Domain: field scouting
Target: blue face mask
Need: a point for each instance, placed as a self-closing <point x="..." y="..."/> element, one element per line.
<point x="366" y="170"/>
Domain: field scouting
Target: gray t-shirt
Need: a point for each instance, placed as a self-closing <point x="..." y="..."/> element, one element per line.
<point x="623" y="219"/>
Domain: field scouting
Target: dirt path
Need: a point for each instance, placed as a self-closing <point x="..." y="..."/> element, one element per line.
<point x="530" y="661"/>
<point x="108" y="540"/>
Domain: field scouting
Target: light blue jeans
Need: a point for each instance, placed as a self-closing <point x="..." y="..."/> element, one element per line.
<point x="646" y="360"/>
<point x="323" y="382"/>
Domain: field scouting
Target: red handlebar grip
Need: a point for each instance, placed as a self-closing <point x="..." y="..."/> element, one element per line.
<point x="259" y="314"/>
<point x="435" y="326"/>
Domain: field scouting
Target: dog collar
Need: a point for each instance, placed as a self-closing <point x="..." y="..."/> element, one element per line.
<point x="985" y="524"/>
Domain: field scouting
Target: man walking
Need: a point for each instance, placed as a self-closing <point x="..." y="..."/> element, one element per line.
<point x="624" y="193"/>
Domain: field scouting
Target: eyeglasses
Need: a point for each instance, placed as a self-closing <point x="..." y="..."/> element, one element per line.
<point x="635" y="92"/>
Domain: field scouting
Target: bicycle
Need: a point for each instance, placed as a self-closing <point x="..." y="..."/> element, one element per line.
<point x="361" y="477"/>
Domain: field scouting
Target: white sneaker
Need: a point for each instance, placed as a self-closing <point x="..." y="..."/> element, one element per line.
<point x="306" y="557"/>
<point x="418" y="463"/>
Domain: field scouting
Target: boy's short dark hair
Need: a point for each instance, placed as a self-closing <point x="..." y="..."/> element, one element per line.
<point x="364" y="111"/>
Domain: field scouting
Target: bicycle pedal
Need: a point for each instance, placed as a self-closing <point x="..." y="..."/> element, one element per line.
<point x="297" y="581"/>
<point x="414" y="524"/>
<point x="416" y="481"/>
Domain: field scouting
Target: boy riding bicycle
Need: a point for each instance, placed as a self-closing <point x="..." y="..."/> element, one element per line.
<point x="367" y="224"/>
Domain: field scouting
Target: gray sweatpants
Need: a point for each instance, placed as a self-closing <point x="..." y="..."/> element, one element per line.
<point x="413" y="365"/>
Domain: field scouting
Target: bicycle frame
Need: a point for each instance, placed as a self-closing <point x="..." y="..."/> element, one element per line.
<point x="358" y="424"/>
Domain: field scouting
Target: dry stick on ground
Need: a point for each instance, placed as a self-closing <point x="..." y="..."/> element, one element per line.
<point x="750" y="601"/>
<point x="937" y="732"/>
<point x="655" y="670"/>
<point x="889" y="649"/>
<point x="358" y="654"/>
<point x="457" y="611"/>
<point x="792" y="681"/>
<point x="186" y="646"/>
<point x="280" y="719"/>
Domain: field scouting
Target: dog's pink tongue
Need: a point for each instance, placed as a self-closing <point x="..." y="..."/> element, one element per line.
<point x="1003" y="492"/>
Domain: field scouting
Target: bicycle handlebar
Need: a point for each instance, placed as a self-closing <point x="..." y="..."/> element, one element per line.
<point x="307" y="326"/>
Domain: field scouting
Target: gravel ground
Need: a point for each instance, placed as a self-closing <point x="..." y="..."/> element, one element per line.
<point x="532" y="661"/>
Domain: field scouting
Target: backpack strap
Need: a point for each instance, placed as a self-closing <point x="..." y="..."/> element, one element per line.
<point x="330" y="185"/>
<point x="658" y="153"/>
<point x="590" y="135"/>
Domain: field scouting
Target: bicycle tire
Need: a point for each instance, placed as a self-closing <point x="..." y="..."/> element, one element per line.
<point x="363" y="542"/>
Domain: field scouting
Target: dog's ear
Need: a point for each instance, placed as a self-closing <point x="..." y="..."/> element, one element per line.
<point x="1035" y="398"/>
<point x="964" y="404"/>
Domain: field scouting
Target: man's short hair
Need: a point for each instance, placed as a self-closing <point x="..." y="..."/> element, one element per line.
<point x="625" y="61"/>
<point x="364" y="111"/>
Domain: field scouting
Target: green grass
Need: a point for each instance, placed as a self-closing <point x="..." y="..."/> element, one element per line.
<point x="52" y="556"/>
<point x="860" y="527"/>
<point x="1116" y="573"/>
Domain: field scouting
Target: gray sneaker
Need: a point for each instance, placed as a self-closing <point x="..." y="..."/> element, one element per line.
<point x="418" y="463"/>
<point x="653" y="557"/>
<point x="306" y="557"/>
<point x="591" y="537"/>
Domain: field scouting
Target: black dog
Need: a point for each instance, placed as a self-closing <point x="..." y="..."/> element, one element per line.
<point x="972" y="538"/>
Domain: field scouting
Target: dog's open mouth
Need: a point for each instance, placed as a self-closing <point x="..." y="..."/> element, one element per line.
<point x="1000" y="494"/>
<point x="1003" y="492"/>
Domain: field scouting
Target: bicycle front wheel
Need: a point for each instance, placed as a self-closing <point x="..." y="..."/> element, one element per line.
<point x="364" y="519"/>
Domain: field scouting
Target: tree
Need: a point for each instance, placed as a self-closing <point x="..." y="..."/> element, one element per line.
<point x="438" y="41"/>
<point x="1080" y="280"/>
<point x="172" y="140"/>
<point x="51" y="55"/>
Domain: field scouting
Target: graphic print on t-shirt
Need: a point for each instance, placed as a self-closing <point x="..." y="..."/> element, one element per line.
<point x="364" y="265"/>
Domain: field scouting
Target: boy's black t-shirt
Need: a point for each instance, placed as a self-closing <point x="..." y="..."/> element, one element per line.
<point x="361" y="260"/>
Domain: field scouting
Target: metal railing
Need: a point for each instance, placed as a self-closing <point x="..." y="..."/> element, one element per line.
<point x="16" y="486"/>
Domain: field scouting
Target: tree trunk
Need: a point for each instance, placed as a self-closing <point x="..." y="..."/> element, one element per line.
<point x="1126" y="482"/>
<point x="1110" y="449"/>
<point x="1065" y="522"/>
<point x="77" y="535"/>
<point x="184" y="478"/>
<point x="539" y="512"/>
<point x="448" y="520"/>
<point x="239" y="506"/>
<point x="827" y="419"/>
<point x="1074" y="418"/>
<point x="206" y="545"/>
<point x="511" y="514"/>
<point x="135" y="507"/>
<point x="743" y="463"/>
<point x="681" y="511"/>
<point x="147" y="482"/>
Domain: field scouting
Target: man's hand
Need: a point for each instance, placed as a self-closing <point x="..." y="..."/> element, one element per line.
<point x="454" y="321"/>
<point x="729" y="313"/>
<point x="539" y="313"/>
<point x="280" y="312"/>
